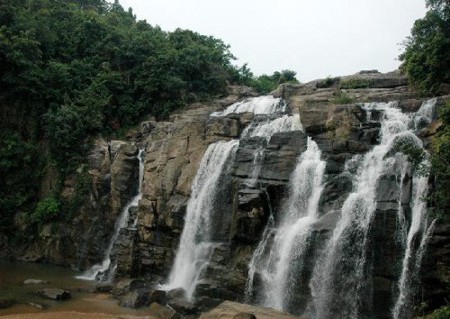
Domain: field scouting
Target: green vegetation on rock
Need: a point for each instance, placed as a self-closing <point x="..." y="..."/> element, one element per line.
<point x="440" y="165"/>
<point x="341" y="97"/>
<point x="427" y="64"/>
<point x="46" y="210"/>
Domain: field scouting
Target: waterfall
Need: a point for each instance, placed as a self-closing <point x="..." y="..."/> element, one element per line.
<point x="266" y="129"/>
<point x="196" y="247"/>
<point x="105" y="271"/>
<point x="416" y="242"/>
<point x="291" y="237"/>
<point x="258" y="105"/>
<point x="419" y="232"/>
<point x="269" y="127"/>
<point x="340" y="279"/>
<point x="258" y="253"/>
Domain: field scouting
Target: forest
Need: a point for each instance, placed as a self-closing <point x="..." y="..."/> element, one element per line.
<point x="73" y="69"/>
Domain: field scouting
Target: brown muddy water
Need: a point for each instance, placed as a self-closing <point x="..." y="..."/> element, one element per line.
<point x="13" y="274"/>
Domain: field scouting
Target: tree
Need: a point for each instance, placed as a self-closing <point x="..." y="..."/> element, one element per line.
<point x="426" y="57"/>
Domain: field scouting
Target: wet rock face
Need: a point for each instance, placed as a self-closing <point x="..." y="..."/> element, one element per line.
<point x="109" y="181"/>
<point x="174" y="150"/>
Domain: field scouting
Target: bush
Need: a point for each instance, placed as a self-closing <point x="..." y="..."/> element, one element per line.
<point x="342" y="97"/>
<point x="46" y="210"/>
<point x="441" y="313"/>
<point x="426" y="57"/>
<point x="354" y="83"/>
<point x="327" y="82"/>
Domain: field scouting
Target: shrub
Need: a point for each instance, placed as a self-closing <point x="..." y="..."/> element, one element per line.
<point x="326" y="83"/>
<point x="354" y="83"/>
<point x="342" y="97"/>
<point x="441" y="313"/>
<point x="46" y="210"/>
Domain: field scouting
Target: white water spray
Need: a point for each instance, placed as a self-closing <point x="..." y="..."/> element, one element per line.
<point x="291" y="237"/>
<point x="418" y="230"/>
<point x="258" y="105"/>
<point x="196" y="247"/>
<point x="339" y="284"/>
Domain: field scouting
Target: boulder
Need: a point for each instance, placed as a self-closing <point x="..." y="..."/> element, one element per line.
<point x="229" y="310"/>
<point x="158" y="296"/>
<point x="126" y="285"/>
<point x="162" y="312"/>
<point x="54" y="294"/>
<point x="104" y="287"/>
<point x="6" y="302"/>
<point x="182" y="306"/>
<point x="244" y="315"/>
<point x="177" y="293"/>
<point x="135" y="299"/>
<point x="34" y="282"/>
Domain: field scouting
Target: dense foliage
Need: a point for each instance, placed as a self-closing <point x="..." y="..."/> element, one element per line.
<point x="85" y="67"/>
<point x="427" y="64"/>
<point x="426" y="57"/>
<point x="72" y="69"/>
<point x="265" y="83"/>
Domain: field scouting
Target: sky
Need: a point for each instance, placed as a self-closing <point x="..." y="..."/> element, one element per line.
<point x="315" y="38"/>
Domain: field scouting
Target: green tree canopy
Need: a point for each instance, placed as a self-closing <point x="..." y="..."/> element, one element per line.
<point x="426" y="57"/>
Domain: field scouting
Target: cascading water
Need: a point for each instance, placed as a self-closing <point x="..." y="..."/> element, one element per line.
<point x="258" y="105"/>
<point x="291" y="237"/>
<point x="416" y="242"/>
<point x="418" y="230"/>
<point x="196" y="246"/>
<point x="340" y="285"/>
<point x="258" y="253"/>
<point x="105" y="271"/>
<point x="266" y="129"/>
<point x="269" y="127"/>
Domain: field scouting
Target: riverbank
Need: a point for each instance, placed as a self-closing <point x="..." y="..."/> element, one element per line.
<point x="26" y="303"/>
<point x="71" y="315"/>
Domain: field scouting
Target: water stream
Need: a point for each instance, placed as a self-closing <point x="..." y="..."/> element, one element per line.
<point x="291" y="236"/>
<point x="340" y="285"/>
<point x="196" y="246"/>
<point x="105" y="271"/>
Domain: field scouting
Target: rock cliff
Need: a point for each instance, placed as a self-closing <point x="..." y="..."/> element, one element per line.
<point x="331" y="114"/>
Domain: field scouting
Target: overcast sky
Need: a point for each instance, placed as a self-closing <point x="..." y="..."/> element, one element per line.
<point x="315" y="38"/>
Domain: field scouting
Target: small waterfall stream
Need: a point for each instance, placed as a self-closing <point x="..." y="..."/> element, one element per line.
<point x="266" y="129"/>
<point x="265" y="104"/>
<point x="196" y="247"/>
<point x="291" y="237"/>
<point x="105" y="271"/>
<point x="415" y="241"/>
